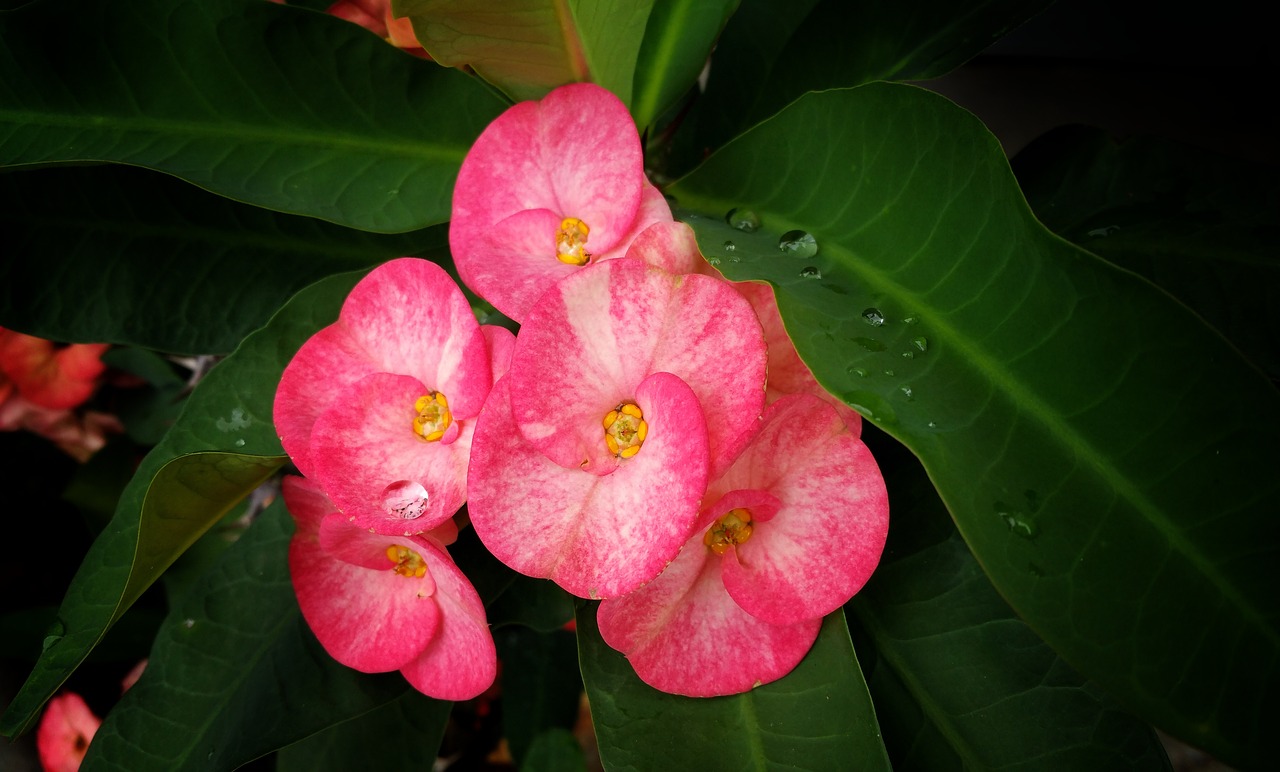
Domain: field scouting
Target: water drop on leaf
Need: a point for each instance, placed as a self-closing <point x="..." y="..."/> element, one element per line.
<point x="729" y="246"/>
<point x="809" y="272"/>
<point x="743" y="219"/>
<point x="873" y="317"/>
<point x="798" y="243"/>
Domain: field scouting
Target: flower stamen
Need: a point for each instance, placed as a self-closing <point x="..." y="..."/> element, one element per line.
<point x="433" y="416"/>
<point x="571" y="242"/>
<point x="407" y="562"/>
<point x="732" y="528"/>
<point x="625" y="430"/>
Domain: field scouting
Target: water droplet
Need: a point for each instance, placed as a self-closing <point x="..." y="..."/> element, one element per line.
<point x="908" y="393"/>
<point x="921" y="343"/>
<point x="810" y="272"/>
<point x="49" y="641"/>
<point x="873" y="317"/>
<point x="861" y="372"/>
<point x="1014" y="521"/>
<point x="798" y="243"/>
<point x="54" y="634"/>
<point x="729" y="246"/>
<point x="240" y="443"/>
<point x="743" y="219"/>
<point x="870" y="344"/>
<point x="933" y="424"/>
<point x="872" y="406"/>
<point x="713" y="260"/>
<point x="188" y="623"/>
<point x="910" y="320"/>
<point x="908" y="355"/>
<point x="405" y="499"/>
<point x="237" y="421"/>
<point x="889" y="373"/>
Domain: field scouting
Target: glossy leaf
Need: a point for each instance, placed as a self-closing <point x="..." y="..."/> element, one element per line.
<point x="235" y="673"/>
<point x="210" y="270"/>
<point x="221" y="447"/>
<point x="818" y="717"/>
<point x="773" y="51"/>
<point x="958" y="680"/>
<point x="528" y="47"/>
<point x="677" y="41"/>
<point x="407" y="729"/>
<point x="283" y="108"/>
<point x="1108" y="458"/>
<point x="1199" y="225"/>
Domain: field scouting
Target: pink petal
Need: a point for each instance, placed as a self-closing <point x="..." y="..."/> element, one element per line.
<point x="461" y="661"/>
<point x="501" y="343"/>
<point x="788" y="374"/>
<point x="377" y="469"/>
<point x="413" y="320"/>
<point x="66" y="729"/>
<point x="512" y="262"/>
<point x="599" y="332"/>
<point x="683" y="634"/>
<point x="367" y="619"/>
<point x="594" y="535"/>
<point x="826" y="538"/>
<point x="670" y="246"/>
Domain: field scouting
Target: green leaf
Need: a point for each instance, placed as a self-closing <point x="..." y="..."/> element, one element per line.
<point x="181" y="488"/>
<point x="235" y="673"/>
<point x="541" y="685"/>
<point x="555" y="750"/>
<point x="818" y="717"/>
<point x="958" y="680"/>
<point x="677" y="41"/>
<point x="535" y="603"/>
<point x="1108" y="458"/>
<point x="1199" y="225"/>
<point x="200" y="271"/>
<point x="284" y="108"/>
<point x="407" y="729"/>
<point x="772" y="51"/>
<point x="528" y="47"/>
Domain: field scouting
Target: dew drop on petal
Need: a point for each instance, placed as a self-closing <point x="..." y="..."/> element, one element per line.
<point x="798" y="243"/>
<point x="743" y="219"/>
<point x="405" y="499"/>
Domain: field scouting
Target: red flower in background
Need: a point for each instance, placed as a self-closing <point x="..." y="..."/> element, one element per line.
<point x="66" y="728"/>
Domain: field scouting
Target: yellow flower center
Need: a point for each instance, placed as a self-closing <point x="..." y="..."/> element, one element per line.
<point x="407" y="562"/>
<point x="571" y="242"/>
<point x="625" y="430"/>
<point x="732" y="528"/>
<point x="433" y="416"/>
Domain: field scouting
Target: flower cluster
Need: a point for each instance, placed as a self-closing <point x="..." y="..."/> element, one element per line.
<point x="650" y="438"/>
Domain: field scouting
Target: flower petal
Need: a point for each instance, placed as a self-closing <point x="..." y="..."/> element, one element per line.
<point x="826" y="538"/>
<point x="66" y="729"/>
<point x="670" y="246"/>
<point x="683" y="634"/>
<point x="594" y="535"/>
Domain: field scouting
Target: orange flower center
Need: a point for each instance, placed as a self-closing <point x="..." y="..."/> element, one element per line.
<point x="433" y="416"/>
<point x="407" y="562"/>
<point x="625" y="430"/>
<point x="571" y="242"/>
<point x="732" y="528"/>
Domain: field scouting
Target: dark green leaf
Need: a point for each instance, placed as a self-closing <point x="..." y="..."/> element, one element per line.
<point x="1108" y="458"/>
<point x="235" y="673"/>
<point x="555" y="750"/>
<point x="958" y="680"/>
<point x="541" y="686"/>
<point x="284" y="108"/>
<point x="181" y="488"/>
<point x="528" y="47"/>
<point x="407" y="729"/>
<point x="773" y="51"/>
<point x="536" y="603"/>
<point x="1199" y="225"/>
<point x="677" y="42"/>
<point x="818" y="717"/>
<point x="123" y="255"/>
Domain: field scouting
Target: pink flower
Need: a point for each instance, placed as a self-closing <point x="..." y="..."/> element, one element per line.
<point x="548" y="187"/>
<point x="629" y="388"/>
<point x="790" y="532"/>
<point x="376" y="16"/>
<point x="379" y="407"/>
<point x="65" y="731"/>
<point x="50" y="376"/>
<point x="379" y="603"/>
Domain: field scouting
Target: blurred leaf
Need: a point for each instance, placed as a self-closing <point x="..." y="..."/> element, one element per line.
<point x="541" y="685"/>
<point x="1108" y="458"/>
<point x="1199" y="225"/>
<point x="528" y="47"/>
<point x="555" y="750"/>
<point x="407" y="729"/>
<point x="773" y="51"/>
<point x="280" y="107"/>
<point x="958" y="680"/>
<point x="677" y="41"/>
<point x="181" y="488"/>
<point x="235" y="673"/>
<point x="535" y="603"/>
<point x="82" y="240"/>
<point x="817" y="717"/>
